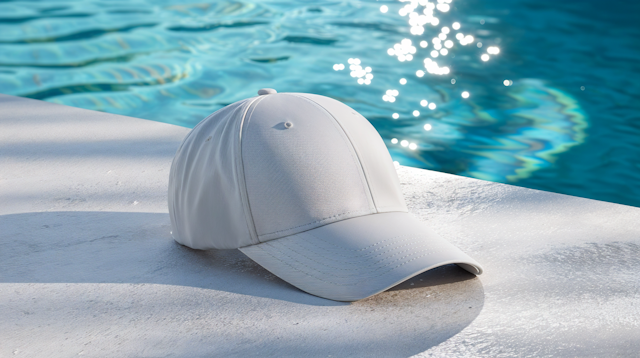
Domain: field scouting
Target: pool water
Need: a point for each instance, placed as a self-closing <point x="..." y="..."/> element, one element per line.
<point x="540" y="94"/>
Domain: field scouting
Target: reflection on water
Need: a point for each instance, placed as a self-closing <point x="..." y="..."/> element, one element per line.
<point x="540" y="123"/>
<point x="462" y="86"/>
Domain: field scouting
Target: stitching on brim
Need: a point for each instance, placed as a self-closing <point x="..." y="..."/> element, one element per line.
<point x="331" y="282"/>
<point x="374" y="264"/>
<point x="317" y="221"/>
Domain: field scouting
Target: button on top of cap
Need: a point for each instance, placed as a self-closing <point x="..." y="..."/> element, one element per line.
<point x="266" y="91"/>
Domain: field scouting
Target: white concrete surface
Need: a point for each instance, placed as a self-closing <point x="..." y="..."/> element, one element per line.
<point x="87" y="265"/>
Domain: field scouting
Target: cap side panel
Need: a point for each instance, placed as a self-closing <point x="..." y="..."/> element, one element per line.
<point x="202" y="177"/>
<point x="176" y="183"/>
<point x="302" y="176"/>
<point x="373" y="154"/>
<point x="171" y="188"/>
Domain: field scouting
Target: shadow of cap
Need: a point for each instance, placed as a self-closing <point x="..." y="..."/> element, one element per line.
<point x="133" y="249"/>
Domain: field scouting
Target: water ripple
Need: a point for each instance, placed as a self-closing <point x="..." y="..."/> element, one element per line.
<point x="567" y="115"/>
<point x="18" y="20"/>
<point x="309" y="40"/>
<point x="211" y="27"/>
<point x="80" y="35"/>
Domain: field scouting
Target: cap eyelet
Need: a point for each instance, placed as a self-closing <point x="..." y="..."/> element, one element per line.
<point x="288" y="125"/>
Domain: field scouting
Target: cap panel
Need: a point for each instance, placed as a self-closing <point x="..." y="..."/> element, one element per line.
<point x="300" y="175"/>
<point x="356" y="258"/>
<point x="205" y="205"/>
<point x="376" y="162"/>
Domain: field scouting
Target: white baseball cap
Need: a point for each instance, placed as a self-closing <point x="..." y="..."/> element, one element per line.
<point x="304" y="186"/>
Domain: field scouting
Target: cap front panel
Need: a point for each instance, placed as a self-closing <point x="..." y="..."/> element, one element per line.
<point x="300" y="170"/>
<point x="373" y="154"/>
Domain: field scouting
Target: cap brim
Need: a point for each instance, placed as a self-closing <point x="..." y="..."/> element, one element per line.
<point x="356" y="258"/>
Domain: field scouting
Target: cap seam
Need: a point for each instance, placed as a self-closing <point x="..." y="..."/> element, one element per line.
<point x="246" y="205"/>
<point x="329" y="223"/>
<point x="319" y="226"/>
<point x="315" y="222"/>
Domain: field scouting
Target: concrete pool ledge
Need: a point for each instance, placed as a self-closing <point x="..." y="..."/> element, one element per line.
<point x="88" y="267"/>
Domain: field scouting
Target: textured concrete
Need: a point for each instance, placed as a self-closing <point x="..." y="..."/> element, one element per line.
<point x="87" y="265"/>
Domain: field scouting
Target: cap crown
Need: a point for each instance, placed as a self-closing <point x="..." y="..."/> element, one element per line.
<point x="243" y="177"/>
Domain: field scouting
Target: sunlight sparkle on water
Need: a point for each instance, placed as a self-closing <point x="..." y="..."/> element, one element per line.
<point x="443" y="7"/>
<point x="403" y="50"/>
<point x="363" y="75"/>
<point x="394" y="140"/>
<point x="432" y="66"/>
<point x="465" y="40"/>
<point x="390" y="96"/>
<point x="417" y="30"/>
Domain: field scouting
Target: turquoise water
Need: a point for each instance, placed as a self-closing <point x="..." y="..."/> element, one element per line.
<point x="555" y="106"/>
